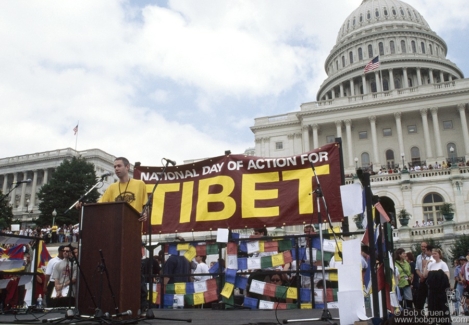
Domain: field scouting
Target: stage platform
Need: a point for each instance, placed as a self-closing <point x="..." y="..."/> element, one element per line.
<point x="182" y="316"/>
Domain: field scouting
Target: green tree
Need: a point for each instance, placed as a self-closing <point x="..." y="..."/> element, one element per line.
<point x="459" y="247"/>
<point x="6" y="213"/>
<point x="70" y="181"/>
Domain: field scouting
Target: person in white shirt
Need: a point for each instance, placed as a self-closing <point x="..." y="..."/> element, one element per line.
<point x="420" y="266"/>
<point x="201" y="268"/>
<point x="49" y="282"/>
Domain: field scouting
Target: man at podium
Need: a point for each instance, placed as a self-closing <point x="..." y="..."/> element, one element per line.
<point x="132" y="191"/>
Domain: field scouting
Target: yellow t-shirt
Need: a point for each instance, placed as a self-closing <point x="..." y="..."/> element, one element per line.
<point x="134" y="193"/>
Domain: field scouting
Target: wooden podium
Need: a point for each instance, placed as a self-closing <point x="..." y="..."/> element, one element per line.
<point x="112" y="228"/>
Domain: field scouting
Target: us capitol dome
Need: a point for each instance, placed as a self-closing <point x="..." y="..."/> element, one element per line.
<point x="404" y="122"/>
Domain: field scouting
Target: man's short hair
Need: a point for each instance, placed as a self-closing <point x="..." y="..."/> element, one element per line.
<point x="124" y="160"/>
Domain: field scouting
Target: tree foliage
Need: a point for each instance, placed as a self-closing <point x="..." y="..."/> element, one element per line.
<point x="73" y="178"/>
<point x="459" y="247"/>
<point x="6" y="213"/>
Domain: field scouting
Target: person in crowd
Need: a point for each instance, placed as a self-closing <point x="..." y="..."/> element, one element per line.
<point x="405" y="278"/>
<point x="460" y="283"/>
<point x="420" y="265"/>
<point x="176" y="269"/>
<point x="437" y="275"/>
<point x="65" y="276"/>
<point x="49" y="282"/>
<point x="415" y="277"/>
<point x="464" y="280"/>
<point x="201" y="268"/>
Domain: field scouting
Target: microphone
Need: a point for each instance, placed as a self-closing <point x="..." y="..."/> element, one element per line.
<point x="105" y="175"/>
<point x="27" y="181"/>
<point x="172" y="162"/>
<point x="125" y="313"/>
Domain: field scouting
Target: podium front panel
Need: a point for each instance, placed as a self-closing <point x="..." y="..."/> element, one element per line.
<point x="110" y="229"/>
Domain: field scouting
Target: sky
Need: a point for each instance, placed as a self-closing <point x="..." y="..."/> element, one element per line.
<point x="176" y="79"/>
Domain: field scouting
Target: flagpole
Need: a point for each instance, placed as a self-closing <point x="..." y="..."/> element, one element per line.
<point x="381" y="76"/>
<point x="76" y="136"/>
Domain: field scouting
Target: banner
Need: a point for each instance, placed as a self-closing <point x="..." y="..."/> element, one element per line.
<point x="238" y="191"/>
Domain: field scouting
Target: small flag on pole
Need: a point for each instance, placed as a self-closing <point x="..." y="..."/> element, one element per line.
<point x="75" y="130"/>
<point x="372" y="65"/>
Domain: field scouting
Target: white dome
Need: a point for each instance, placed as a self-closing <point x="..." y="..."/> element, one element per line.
<point x="377" y="12"/>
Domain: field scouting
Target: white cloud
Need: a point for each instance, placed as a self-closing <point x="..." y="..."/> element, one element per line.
<point x="182" y="81"/>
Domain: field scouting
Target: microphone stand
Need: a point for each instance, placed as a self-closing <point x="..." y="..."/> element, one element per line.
<point x="148" y="208"/>
<point x="6" y="195"/>
<point x="84" y="195"/>
<point x="326" y="314"/>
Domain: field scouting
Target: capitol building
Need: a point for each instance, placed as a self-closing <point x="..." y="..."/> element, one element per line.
<point x="410" y="112"/>
<point x="39" y="168"/>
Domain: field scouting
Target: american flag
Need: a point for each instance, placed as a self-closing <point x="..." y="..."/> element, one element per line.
<point x="372" y="65"/>
<point x="75" y="130"/>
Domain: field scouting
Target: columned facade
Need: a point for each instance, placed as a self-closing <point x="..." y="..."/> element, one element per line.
<point x="39" y="168"/>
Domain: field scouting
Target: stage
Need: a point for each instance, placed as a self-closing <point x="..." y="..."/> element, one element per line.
<point x="180" y="316"/>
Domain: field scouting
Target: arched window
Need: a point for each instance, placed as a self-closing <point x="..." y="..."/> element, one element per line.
<point x="337" y="65"/>
<point x="385" y="12"/>
<point x="350" y="55"/>
<point x="414" y="48"/>
<point x="415" y="156"/>
<point x="402" y="12"/>
<point x="360" y="54"/>
<point x="370" y="51"/>
<point x="397" y="83"/>
<point x="343" y="61"/>
<point x="394" y="11"/>
<point x="368" y="15"/>
<point x="385" y="85"/>
<point x="408" y="12"/>
<point x="354" y="19"/>
<point x="392" y="47"/>
<point x="430" y="47"/>
<point x="373" y="86"/>
<point x="361" y="17"/>
<point x="431" y="205"/>
<point x="403" y="47"/>
<point x="381" y="48"/>
<point x="348" y="24"/>
<point x="422" y="45"/>
<point x="452" y="152"/>
<point x="377" y="12"/>
<point x="365" y="160"/>
<point x="409" y="82"/>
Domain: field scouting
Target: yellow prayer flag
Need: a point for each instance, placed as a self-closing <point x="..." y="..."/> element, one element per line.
<point x="292" y="293"/>
<point x="180" y="288"/>
<point x="333" y="276"/>
<point x="190" y="253"/>
<point x="183" y="247"/>
<point x="227" y="290"/>
<point x="261" y="246"/>
<point x="199" y="298"/>
<point x="155" y="296"/>
<point x="277" y="259"/>
<point x="306" y="305"/>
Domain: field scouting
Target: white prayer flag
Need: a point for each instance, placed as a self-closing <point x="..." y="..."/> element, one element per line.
<point x="232" y="262"/>
<point x="253" y="246"/>
<point x="264" y="304"/>
<point x="257" y="287"/>
<point x="200" y="286"/>
<point x="254" y="263"/>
